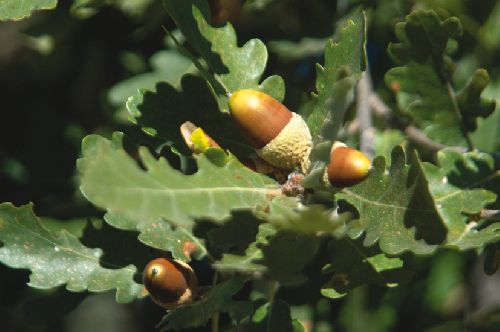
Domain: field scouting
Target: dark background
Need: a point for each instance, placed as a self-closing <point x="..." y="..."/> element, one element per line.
<point x="51" y="97"/>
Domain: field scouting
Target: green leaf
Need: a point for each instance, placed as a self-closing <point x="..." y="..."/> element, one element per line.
<point x="354" y="265"/>
<point x="235" y="235"/>
<point x="74" y="227"/>
<point x="195" y="314"/>
<point x="58" y="258"/>
<point x="340" y="98"/>
<point x="445" y="277"/>
<point x="249" y="262"/>
<point x="112" y="180"/>
<point x="162" y="235"/>
<point x="422" y="85"/>
<point x="455" y="187"/>
<point x="167" y="66"/>
<point x="280" y="255"/>
<point x="234" y="67"/>
<point x="17" y="10"/>
<point x="273" y="316"/>
<point x="395" y="208"/>
<point x="386" y="140"/>
<point x="287" y="213"/>
<point x="161" y="113"/>
<point x="286" y="255"/>
<point x="86" y="8"/>
<point x="424" y="37"/>
<point x="421" y="93"/>
<point x="470" y="102"/>
<point x="486" y="137"/>
<point x="347" y="52"/>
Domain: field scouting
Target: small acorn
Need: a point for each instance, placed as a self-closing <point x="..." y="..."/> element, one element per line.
<point x="196" y="139"/>
<point x="170" y="282"/>
<point x="279" y="136"/>
<point x="347" y="166"/>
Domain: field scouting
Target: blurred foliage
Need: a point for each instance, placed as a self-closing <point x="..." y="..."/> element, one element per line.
<point x="69" y="71"/>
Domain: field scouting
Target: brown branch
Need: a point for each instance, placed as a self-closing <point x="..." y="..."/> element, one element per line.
<point x="413" y="133"/>
<point x="484" y="214"/>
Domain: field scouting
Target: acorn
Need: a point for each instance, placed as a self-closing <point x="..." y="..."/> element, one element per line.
<point x="170" y="282"/>
<point x="278" y="136"/>
<point x="347" y="166"/>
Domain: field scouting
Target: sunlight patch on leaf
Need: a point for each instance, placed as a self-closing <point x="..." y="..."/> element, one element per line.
<point x="112" y="180"/>
<point x="56" y="259"/>
<point x="456" y="188"/>
<point x="395" y="209"/>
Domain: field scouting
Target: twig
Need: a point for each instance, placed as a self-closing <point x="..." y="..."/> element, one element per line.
<point x="364" y="115"/>
<point x="413" y="133"/>
<point x="485" y="214"/>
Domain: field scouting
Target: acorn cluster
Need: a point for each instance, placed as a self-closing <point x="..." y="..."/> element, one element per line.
<point x="282" y="139"/>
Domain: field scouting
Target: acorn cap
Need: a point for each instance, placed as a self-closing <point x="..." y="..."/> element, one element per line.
<point x="170" y="282"/>
<point x="347" y="166"/>
<point x="291" y="148"/>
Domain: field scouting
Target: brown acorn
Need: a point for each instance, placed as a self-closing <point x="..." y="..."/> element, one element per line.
<point x="170" y="282"/>
<point x="279" y="136"/>
<point x="347" y="166"/>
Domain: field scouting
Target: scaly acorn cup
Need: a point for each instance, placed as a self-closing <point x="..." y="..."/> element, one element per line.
<point x="347" y="166"/>
<point x="279" y="136"/>
<point x="170" y="282"/>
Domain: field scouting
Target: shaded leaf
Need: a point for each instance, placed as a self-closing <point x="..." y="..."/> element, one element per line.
<point x="17" y="10"/>
<point x="195" y="314"/>
<point x="112" y="180"/>
<point x="162" y="235"/>
<point x="286" y="255"/>
<point x="234" y="67"/>
<point x="354" y="265"/>
<point x="347" y="52"/>
<point x="273" y="316"/>
<point x="57" y="259"/>
<point x="492" y="258"/>
<point x="422" y="94"/>
<point x="486" y="137"/>
<point x="287" y="213"/>
<point x="162" y="112"/>
<point x="87" y="8"/>
<point x="396" y="208"/>
<point x="279" y="255"/>
<point x="455" y="187"/>
<point x="166" y="66"/>
<point x="470" y="102"/>
<point x="249" y="262"/>
<point x="235" y="235"/>
<point x="422" y="85"/>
